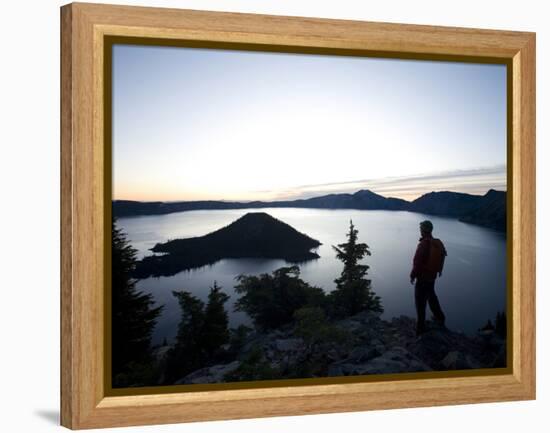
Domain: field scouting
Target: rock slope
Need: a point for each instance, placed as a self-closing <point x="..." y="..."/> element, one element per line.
<point x="366" y="345"/>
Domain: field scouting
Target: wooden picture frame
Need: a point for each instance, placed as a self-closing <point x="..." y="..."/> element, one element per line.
<point x="85" y="28"/>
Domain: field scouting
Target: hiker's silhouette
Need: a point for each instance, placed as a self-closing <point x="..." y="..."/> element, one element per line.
<point x="428" y="263"/>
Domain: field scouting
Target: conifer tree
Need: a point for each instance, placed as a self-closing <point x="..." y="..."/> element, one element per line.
<point x="271" y="299"/>
<point x="188" y="353"/>
<point x="216" y="331"/>
<point x="133" y="316"/>
<point x="353" y="290"/>
<point x="202" y="330"/>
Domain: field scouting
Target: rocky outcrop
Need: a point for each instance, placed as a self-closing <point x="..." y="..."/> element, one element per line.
<point x="395" y="360"/>
<point x="365" y="345"/>
<point x="213" y="374"/>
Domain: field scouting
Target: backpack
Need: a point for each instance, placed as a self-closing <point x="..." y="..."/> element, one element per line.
<point x="436" y="256"/>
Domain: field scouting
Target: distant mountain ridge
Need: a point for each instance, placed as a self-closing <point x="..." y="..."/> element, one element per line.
<point x="487" y="210"/>
<point x="491" y="212"/>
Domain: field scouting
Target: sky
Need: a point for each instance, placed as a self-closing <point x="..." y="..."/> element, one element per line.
<point x="204" y="124"/>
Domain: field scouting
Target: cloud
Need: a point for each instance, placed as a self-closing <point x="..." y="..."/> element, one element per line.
<point x="472" y="181"/>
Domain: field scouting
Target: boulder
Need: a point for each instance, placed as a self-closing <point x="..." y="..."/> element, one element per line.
<point x="213" y="374"/>
<point x="363" y="354"/>
<point x="433" y="346"/>
<point x="395" y="360"/>
<point x="289" y="344"/>
<point x="335" y="369"/>
<point x="456" y="360"/>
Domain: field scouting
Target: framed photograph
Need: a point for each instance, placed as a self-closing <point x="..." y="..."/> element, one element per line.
<point x="267" y="215"/>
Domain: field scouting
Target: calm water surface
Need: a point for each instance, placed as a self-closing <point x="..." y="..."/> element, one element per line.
<point x="471" y="290"/>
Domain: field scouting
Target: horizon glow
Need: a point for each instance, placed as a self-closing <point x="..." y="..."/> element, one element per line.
<point x="202" y="124"/>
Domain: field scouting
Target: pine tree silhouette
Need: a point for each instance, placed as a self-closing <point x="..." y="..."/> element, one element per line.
<point x="216" y="331"/>
<point x="133" y="316"/>
<point x="353" y="290"/>
<point x="202" y="331"/>
<point x="188" y="353"/>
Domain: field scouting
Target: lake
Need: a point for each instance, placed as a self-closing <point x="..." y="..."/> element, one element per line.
<point x="471" y="290"/>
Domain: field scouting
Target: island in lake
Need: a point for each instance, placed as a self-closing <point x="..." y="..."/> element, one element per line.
<point x="255" y="234"/>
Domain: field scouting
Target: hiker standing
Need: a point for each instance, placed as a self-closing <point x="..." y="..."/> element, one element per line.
<point x="427" y="265"/>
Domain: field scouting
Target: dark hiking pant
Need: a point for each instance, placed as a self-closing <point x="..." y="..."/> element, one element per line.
<point x="424" y="291"/>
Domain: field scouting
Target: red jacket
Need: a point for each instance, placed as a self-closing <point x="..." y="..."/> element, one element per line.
<point x="420" y="260"/>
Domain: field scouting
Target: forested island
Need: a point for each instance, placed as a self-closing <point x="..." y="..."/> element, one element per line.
<point x="254" y="235"/>
<point x="487" y="210"/>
